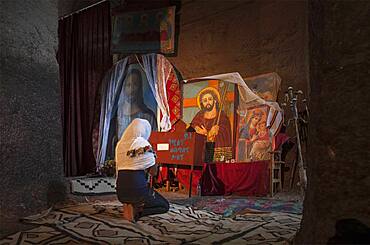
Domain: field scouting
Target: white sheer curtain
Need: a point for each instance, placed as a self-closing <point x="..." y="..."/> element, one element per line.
<point x="111" y="89"/>
<point x="157" y="76"/>
<point x="153" y="66"/>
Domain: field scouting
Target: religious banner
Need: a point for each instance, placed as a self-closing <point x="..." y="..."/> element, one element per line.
<point x="135" y="90"/>
<point x="136" y="100"/>
<point x="253" y="137"/>
<point x="144" y="31"/>
<point x="266" y="86"/>
<point x="208" y="109"/>
<point x="166" y="71"/>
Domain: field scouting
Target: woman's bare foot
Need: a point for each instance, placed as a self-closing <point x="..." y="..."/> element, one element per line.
<point x="129" y="212"/>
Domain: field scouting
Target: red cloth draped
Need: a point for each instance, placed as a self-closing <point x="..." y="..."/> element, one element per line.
<point x="279" y="140"/>
<point x="83" y="57"/>
<point x="173" y="97"/>
<point x="246" y="179"/>
<point x="174" y="103"/>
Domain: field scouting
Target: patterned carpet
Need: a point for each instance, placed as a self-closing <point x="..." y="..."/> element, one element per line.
<point x="102" y="224"/>
<point x="229" y="207"/>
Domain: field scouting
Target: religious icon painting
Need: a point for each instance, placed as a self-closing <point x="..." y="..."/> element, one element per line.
<point x="208" y="109"/>
<point x="136" y="100"/>
<point x="266" y="86"/>
<point x="252" y="137"/>
<point x="144" y="31"/>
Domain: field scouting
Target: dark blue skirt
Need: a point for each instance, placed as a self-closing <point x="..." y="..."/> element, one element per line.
<point x="132" y="186"/>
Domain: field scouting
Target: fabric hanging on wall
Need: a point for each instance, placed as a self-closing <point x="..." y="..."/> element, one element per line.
<point x="172" y="88"/>
<point x="157" y="78"/>
<point x="111" y="89"/>
<point x="173" y="94"/>
<point x="83" y="57"/>
<point x="110" y="94"/>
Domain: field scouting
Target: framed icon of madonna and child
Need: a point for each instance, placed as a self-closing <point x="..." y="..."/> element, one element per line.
<point x="253" y="139"/>
<point x="209" y="110"/>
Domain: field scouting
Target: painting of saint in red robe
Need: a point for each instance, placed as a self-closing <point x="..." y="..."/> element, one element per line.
<point x="211" y="116"/>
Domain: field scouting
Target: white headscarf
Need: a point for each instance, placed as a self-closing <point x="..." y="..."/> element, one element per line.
<point x="134" y="137"/>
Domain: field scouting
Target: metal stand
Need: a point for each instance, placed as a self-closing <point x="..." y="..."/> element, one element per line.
<point x="291" y="97"/>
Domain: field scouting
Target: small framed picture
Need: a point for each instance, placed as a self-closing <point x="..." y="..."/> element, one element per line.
<point x="253" y="138"/>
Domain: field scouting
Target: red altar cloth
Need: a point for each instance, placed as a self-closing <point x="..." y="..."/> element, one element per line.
<point x="246" y="179"/>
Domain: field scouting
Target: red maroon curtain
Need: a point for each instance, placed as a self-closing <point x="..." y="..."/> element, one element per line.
<point x="84" y="57"/>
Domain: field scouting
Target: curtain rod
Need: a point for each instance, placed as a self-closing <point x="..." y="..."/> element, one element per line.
<point x="77" y="11"/>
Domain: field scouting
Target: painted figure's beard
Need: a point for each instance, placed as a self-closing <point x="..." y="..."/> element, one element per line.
<point x="209" y="107"/>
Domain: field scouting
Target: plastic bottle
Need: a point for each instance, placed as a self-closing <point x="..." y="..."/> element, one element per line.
<point x="199" y="190"/>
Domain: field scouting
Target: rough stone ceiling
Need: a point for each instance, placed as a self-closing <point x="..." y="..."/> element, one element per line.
<point x="68" y="6"/>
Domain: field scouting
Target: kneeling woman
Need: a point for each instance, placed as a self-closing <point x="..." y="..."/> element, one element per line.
<point x="134" y="159"/>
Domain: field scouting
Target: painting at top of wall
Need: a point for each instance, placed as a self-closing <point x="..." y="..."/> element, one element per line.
<point x="144" y="31"/>
<point x="266" y="86"/>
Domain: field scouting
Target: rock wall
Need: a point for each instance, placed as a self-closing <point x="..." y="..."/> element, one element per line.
<point x="245" y="36"/>
<point x="250" y="37"/>
<point x="31" y="135"/>
<point x="338" y="167"/>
